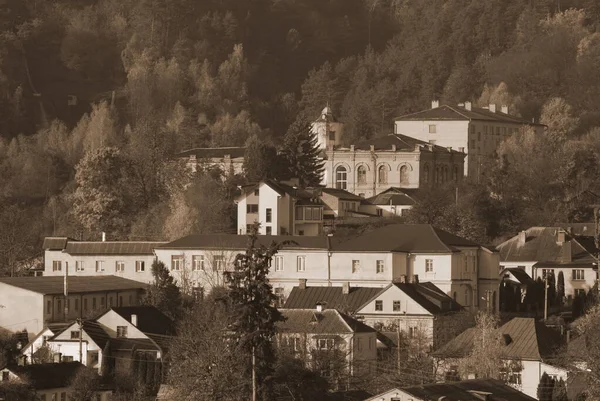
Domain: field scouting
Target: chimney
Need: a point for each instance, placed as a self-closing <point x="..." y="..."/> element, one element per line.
<point x="415" y="278"/>
<point x="403" y="278"/>
<point x="522" y="238"/>
<point x="435" y="104"/>
<point x="372" y="147"/>
<point x="505" y="109"/>
<point x="492" y="108"/>
<point x="393" y="148"/>
<point x="351" y="148"/>
<point x="103" y="236"/>
<point x="461" y="150"/>
<point x="319" y="307"/>
<point x="302" y="283"/>
<point x="134" y="320"/>
<point x="430" y="147"/>
<point x="468" y="105"/>
<point x="560" y="236"/>
<point x="346" y="288"/>
<point x="449" y="149"/>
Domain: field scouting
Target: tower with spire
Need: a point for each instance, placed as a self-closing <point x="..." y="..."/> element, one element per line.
<point x="327" y="129"/>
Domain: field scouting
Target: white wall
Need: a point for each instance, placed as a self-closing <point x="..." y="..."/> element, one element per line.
<point x="21" y="309"/>
<point x="112" y="319"/>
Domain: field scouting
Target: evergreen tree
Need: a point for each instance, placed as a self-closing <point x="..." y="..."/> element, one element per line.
<point x="164" y="294"/>
<point x="560" y="288"/>
<point x="559" y="392"/>
<point x="545" y="388"/>
<point x="302" y="154"/>
<point x="254" y="312"/>
<point x="551" y="289"/>
<point x="260" y="160"/>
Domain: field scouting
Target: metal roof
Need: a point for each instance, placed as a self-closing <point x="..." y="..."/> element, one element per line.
<point x="330" y="297"/>
<point x="240" y="242"/>
<point x="446" y="112"/>
<point x="402" y="143"/>
<point x="55" y="243"/>
<point x="50" y="285"/>
<point x="112" y="247"/>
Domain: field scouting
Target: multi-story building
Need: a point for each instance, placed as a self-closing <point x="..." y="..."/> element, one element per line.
<point x="472" y="130"/>
<point x="230" y="160"/>
<point x="128" y="259"/>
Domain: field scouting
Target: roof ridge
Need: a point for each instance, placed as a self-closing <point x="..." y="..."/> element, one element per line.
<point x="432" y="228"/>
<point x="457" y="111"/>
<point x="342" y="318"/>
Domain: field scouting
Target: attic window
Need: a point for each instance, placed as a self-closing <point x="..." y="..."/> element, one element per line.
<point x="315" y="318"/>
<point x="507" y="339"/>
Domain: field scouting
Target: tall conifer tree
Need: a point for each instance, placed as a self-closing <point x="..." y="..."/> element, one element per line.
<point x="303" y="155"/>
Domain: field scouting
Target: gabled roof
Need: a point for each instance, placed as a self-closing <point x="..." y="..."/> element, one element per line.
<point x="340" y="193"/>
<point x="541" y="246"/>
<point x="149" y="319"/>
<point x="96" y="332"/>
<point x="240" y="242"/>
<point x="423" y="238"/>
<point x="112" y="247"/>
<point x="77" y="284"/>
<point x="55" y="243"/>
<point x="520" y="275"/>
<point x="48" y="375"/>
<point x="330" y="297"/>
<point x="430" y="297"/>
<point x="328" y="321"/>
<point x="130" y="344"/>
<point x="213" y="153"/>
<point x="402" y="143"/>
<point x="395" y="196"/>
<point x="458" y="113"/>
<point x="527" y="339"/>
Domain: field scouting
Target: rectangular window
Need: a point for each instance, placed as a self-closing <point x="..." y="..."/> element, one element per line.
<point x="268" y="230"/>
<point x="308" y="215"/>
<point x="278" y="292"/>
<point x="140" y="266"/>
<point x="396" y="306"/>
<point x="301" y="263"/>
<point x="251" y="208"/>
<point x="79" y="266"/>
<point x="94" y="303"/>
<point x="359" y="344"/>
<point x="579" y="292"/>
<point x="412" y="332"/>
<point x="428" y="265"/>
<point x="479" y="136"/>
<point x="63" y="396"/>
<point x="497" y="130"/>
<point x="49" y="307"/>
<point x="121" y="331"/>
<point x="256" y="192"/>
<point x="74" y="334"/>
<point x="56" y="265"/>
<point x="120" y="266"/>
<point x="355" y="266"/>
<point x="299" y="213"/>
<point x="76" y="304"/>
<point x="99" y="266"/>
<point x="59" y="305"/>
<point x="269" y="215"/>
<point x="325" y="343"/>
<point x="278" y="263"/>
<point x="379" y="306"/>
<point x="85" y="304"/>
<point x="432" y="129"/>
<point x="249" y="228"/>
<point x="5" y="376"/>
<point x="380" y="267"/>
<point x="198" y="262"/>
<point x="218" y="263"/>
<point x="578" y="274"/>
<point x="177" y="262"/>
<point x="102" y="301"/>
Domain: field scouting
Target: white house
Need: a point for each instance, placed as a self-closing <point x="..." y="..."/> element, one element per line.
<point x="230" y="160"/>
<point x="473" y="130"/>
<point x="127" y="259"/>
<point x="392" y="202"/>
<point x="529" y="347"/>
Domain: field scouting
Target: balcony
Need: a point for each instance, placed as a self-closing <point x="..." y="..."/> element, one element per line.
<point x="308" y="214"/>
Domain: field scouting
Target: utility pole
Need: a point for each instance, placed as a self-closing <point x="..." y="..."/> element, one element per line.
<point x="253" y="373"/>
<point x="546" y="297"/>
<point x="80" y="323"/>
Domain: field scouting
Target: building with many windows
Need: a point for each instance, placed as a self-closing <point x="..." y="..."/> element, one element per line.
<point x="230" y="160"/>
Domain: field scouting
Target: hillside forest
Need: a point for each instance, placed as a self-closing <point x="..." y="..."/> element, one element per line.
<point x="96" y="96"/>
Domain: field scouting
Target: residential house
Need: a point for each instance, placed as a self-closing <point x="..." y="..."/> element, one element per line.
<point x="329" y="341"/>
<point x="466" y="390"/>
<point x="36" y="351"/>
<point x="127" y="259"/>
<point x="514" y="283"/>
<point x="50" y="381"/>
<point x="392" y="202"/>
<point x="230" y="160"/>
<point x="281" y="208"/>
<point x="552" y="250"/>
<point x="415" y="309"/>
<point x="473" y="130"/>
<point x="371" y="167"/>
<point x="31" y="303"/>
<point x="121" y="331"/>
<point x="529" y="347"/>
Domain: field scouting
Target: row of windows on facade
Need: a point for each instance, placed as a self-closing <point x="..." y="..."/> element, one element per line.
<point x="576" y="274"/>
<point x="301" y="212"/>
<point x="323" y="344"/>
<point x="441" y="175"/>
<point x="59" y="304"/>
<point x="198" y="262"/>
<point x="140" y="266"/>
<point x="486" y="129"/>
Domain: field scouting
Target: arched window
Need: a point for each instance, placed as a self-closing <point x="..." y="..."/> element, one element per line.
<point x="426" y="174"/>
<point x="438" y="175"/>
<point x="403" y="175"/>
<point x="383" y="175"/>
<point x="455" y="174"/>
<point x="361" y="175"/>
<point x="341" y="177"/>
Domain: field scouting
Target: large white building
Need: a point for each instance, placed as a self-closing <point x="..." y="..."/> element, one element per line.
<point x="472" y="130"/>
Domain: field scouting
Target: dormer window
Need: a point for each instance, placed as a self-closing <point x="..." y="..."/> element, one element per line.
<point x="121" y="331"/>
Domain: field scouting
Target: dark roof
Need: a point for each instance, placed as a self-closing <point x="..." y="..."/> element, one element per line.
<point x="149" y="319"/>
<point x="128" y="344"/>
<point x="213" y="153"/>
<point x="541" y="246"/>
<point x="240" y="242"/>
<point x="328" y="321"/>
<point x="578" y="229"/>
<point x="77" y="284"/>
<point x="468" y="390"/>
<point x="112" y="247"/>
<point x="446" y="112"/>
<point x="395" y="196"/>
<point x="55" y="243"/>
<point x="403" y="143"/>
<point x="520" y="275"/>
<point x="350" y="395"/>
<point x="422" y="238"/>
<point x="430" y="297"/>
<point x="330" y="297"/>
<point x="48" y="375"/>
<point x="529" y="340"/>
<point x="96" y="332"/>
<point x="341" y="194"/>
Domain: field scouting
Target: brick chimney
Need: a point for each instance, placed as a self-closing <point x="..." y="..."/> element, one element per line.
<point x="560" y="236"/>
<point x="468" y="105"/>
<point x="394" y="148"/>
<point x="492" y="108"/>
<point x="302" y="283"/>
<point x="346" y="288"/>
<point x="522" y="238"/>
<point x="505" y="109"/>
<point x="319" y="307"/>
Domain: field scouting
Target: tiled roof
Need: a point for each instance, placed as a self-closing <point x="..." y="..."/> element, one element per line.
<point x="395" y="196"/>
<point x="527" y="339"/>
<point x="520" y="275"/>
<point x="112" y="247"/>
<point x="328" y="321"/>
<point x="423" y="238"/>
<point x="340" y="193"/>
<point x="149" y="319"/>
<point x="77" y="284"/>
<point x="48" y="375"/>
<point x="403" y="143"/>
<point x="213" y="153"/>
<point x="453" y="113"/>
<point x="96" y="332"/>
<point x="240" y="242"/>
<point x="331" y="297"/>
<point x="55" y="243"/>
<point x="541" y="246"/>
<point x="430" y="297"/>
